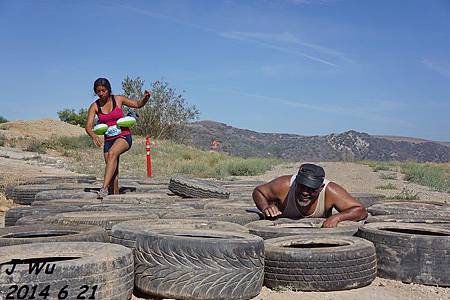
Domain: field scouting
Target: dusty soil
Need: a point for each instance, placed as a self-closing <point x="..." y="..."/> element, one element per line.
<point x="16" y="165"/>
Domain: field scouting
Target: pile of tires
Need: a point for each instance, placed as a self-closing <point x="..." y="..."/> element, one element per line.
<point x="411" y="252"/>
<point x="66" y="270"/>
<point x="426" y="212"/>
<point x="319" y="263"/>
<point x="268" y="229"/>
<point x="196" y="188"/>
<point x="199" y="239"/>
<point x="125" y="233"/>
<point x="198" y="264"/>
<point x="412" y="209"/>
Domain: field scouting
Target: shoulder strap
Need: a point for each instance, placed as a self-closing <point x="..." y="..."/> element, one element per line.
<point x="113" y="102"/>
<point x="320" y="212"/>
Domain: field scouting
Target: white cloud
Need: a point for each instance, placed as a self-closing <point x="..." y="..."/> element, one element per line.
<point x="285" y="39"/>
<point x="248" y="38"/>
<point x="365" y="112"/>
<point x="303" y="2"/>
<point x="440" y="67"/>
<point x="270" y="41"/>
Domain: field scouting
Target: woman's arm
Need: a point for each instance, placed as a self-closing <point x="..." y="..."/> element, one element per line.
<point x="90" y="123"/>
<point x="134" y="103"/>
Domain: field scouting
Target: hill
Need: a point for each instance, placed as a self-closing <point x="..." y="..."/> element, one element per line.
<point x="350" y="145"/>
<point x="26" y="131"/>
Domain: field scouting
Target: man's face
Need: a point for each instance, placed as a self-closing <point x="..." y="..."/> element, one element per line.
<point x="305" y="195"/>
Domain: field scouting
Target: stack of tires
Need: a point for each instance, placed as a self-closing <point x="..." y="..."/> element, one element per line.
<point x="300" y="255"/>
<point x="56" y="261"/>
<point x="187" y="238"/>
<point x="206" y="253"/>
<point x="412" y="241"/>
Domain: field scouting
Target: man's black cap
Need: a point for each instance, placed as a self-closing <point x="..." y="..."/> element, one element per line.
<point x="310" y="175"/>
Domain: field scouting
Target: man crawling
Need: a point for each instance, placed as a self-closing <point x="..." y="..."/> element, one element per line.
<point x="307" y="194"/>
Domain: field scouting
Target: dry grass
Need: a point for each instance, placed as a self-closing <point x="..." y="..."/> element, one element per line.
<point x="434" y="175"/>
<point x="167" y="158"/>
<point x="5" y="204"/>
<point x="388" y="186"/>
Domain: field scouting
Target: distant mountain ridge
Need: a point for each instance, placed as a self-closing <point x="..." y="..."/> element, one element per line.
<point x="350" y="145"/>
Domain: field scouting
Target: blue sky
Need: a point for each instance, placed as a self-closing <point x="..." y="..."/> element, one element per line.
<point x="310" y="67"/>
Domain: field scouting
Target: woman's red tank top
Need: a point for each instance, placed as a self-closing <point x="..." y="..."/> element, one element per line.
<point x="111" y="118"/>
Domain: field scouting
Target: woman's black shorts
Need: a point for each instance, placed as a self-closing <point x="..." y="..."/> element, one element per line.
<point x="108" y="144"/>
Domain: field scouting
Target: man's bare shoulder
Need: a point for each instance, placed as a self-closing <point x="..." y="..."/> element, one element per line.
<point x="285" y="179"/>
<point x="335" y="188"/>
<point x="278" y="184"/>
<point x="337" y="193"/>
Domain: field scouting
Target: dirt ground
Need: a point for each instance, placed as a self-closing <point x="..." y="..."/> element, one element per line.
<point x="17" y="165"/>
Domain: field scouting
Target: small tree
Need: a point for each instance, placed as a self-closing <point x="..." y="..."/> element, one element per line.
<point x="165" y="114"/>
<point x="70" y="116"/>
<point x="133" y="89"/>
<point x="3" y="120"/>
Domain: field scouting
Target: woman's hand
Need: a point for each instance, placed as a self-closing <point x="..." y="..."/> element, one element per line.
<point x="147" y="95"/>
<point x="97" y="141"/>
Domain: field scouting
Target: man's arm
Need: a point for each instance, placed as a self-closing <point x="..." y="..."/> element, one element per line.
<point x="267" y="196"/>
<point x="348" y="207"/>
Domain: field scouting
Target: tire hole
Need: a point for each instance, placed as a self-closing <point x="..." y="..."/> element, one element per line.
<point x="206" y="236"/>
<point x="313" y="245"/>
<point x="415" y="231"/>
<point x="39" y="234"/>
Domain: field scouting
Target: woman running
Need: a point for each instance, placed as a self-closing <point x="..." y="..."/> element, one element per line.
<point x="117" y="140"/>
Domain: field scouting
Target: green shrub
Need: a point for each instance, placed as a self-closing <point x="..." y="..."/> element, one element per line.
<point x="70" y="116"/>
<point x="388" y="186"/>
<point x="3" y="120"/>
<point x="165" y="114"/>
<point x="35" y="147"/>
<point x="247" y="167"/>
<point x="168" y="158"/>
<point x="436" y="176"/>
<point x="380" y="165"/>
<point x="391" y="176"/>
<point x="71" y="143"/>
<point x="193" y="168"/>
<point x="406" y="194"/>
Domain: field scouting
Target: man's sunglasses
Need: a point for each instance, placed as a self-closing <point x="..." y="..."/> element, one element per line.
<point x="308" y="189"/>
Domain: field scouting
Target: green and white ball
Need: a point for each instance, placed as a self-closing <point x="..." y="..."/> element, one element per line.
<point x="100" y="129"/>
<point x="126" y="121"/>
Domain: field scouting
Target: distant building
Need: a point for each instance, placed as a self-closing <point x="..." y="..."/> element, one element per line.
<point x="215" y="146"/>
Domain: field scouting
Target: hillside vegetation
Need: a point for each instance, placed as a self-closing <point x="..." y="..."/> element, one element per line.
<point x="346" y="146"/>
<point x="170" y="158"/>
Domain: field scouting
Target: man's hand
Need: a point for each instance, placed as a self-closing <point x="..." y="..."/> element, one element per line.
<point x="330" y="222"/>
<point x="271" y="211"/>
